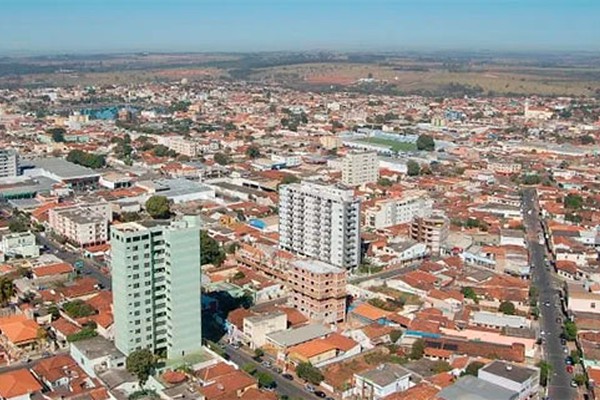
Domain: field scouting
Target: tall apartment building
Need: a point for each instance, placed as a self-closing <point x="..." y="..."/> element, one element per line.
<point x="320" y="221"/>
<point x="431" y="230"/>
<point x="359" y="168"/>
<point x="9" y="163"/>
<point x="318" y="290"/>
<point x="390" y="212"/>
<point x="82" y="224"/>
<point x="156" y="286"/>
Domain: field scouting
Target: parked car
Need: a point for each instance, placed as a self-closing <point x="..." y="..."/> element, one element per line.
<point x="320" y="394"/>
<point x="569" y="360"/>
<point x="309" y="388"/>
<point x="289" y="377"/>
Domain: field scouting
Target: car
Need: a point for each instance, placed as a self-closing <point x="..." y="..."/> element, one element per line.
<point x="542" y="333"/>
<point x="563" y="341"/>
<point x="320" y="394"/>
<point x="236" y="345"/>
<point x="547" y="304"/>
<point x="329" y="398"/>
<point x="569" y="360"/>
<point x="574" y="383"/>
<point x="277" y="370"/>
<point x="565" y="350"/>
<point x="266" y="364"/>
<point x="559" y="320"/>
<point x="309" y="388"/>
<point x="289" y="377"/>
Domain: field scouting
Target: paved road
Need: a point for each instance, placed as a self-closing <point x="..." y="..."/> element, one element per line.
<point x="292" y="389"/>
<point x="90" y="267"/>
<point x="559" y="386"/>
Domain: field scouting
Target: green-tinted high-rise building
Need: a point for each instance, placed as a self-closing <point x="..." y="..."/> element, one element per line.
<point x="156" y="286"/>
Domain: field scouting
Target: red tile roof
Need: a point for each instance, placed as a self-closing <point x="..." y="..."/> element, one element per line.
<point x="18" y="383"/>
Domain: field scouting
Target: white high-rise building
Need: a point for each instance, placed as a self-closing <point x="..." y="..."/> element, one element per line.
<point x="9" y="163"/>
<point x="156" y="286"/>
<point x="320" y="221"/>
<point x="390" y="212"/>
<point x="359" y="168"/>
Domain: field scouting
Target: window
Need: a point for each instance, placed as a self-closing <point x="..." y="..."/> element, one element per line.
<point x="593" y="305"/>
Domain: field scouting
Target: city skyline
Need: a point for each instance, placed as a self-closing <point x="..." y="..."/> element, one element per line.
<point x="37" y="26"/>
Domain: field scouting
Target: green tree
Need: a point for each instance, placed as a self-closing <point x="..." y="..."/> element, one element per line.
<point x="78" y="309"/>
<point x="573" y="201"/>
<point x="570" y="330"/>
<point x="87" y="332"/>
<point x="587" y="139"/>
<point x="158" y="207"/>
<point x="253" y="152"/>
<point x="287" y="179"/>
<point x="441" y="366"/>
<point x="18" y="225"/>
<point x="249" y="368"/>
<point x="507" y="307"/>
<point x="309" y="373"/>
<point x="473" y="368"/>
<point x="531" y="179"/>
<point x="141" y="363"/>
<point x="130" y="216"/>
<point x="576" y="356"/>
<point x="418" y="349"/>
<point x="545" y="371"/>
<point x="413" y="168"/>
<point x="222" y="159"/>
<point x="426" y="143"/>
<point x="580" y="379"/>
<point x="7" y="290"/>
<point x="58" y="134"/>
<point x="265" y="380"/>
<point x="469" y="293"/>
<point x="384" y="182"/>
<point x="211" y="252"/>
<point x="395" y="335"/>
<point x="86" y="159"/>
<point x="258" y="353"/>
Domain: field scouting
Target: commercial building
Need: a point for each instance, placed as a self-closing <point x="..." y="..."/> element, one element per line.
<point x="381" y="381"/>
<point x="431" y="230"/>
<point x="359" y="168"/>
<point x="520" y="379"/>
<point x="83" y="224"/>
<point x="318" y="290"/>
<point x="57" y="169"/>
<point x="390" y="212"/>
<point x="472" y="388"/>
<point x="156" y="286"/>
<point x="20" y="244"/>
<point x="320" y="221"/>
<point x="9" y="163"/>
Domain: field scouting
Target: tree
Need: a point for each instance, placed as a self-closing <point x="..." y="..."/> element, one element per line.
<point x="441" y="366"/>
<point x="580" y="379"/>
<point x="309" y="373"/>
<point x="287" y="179"/>
<point x="587" y="139"/>
<point x="395" y="335"/>
<point x="531" y="179"/>
<point x="413" y="168"/>
<point x="58" y="134"/>
<point x="221" y="158"/>
<point x="86" y="159"/>
<point x="573" y="201"/>
<point x="545" y="371"/>
<point x="426" y="143"/>
<point x="78" y="309"/>
<point x="130" y="216"/>
<point x="7" y="290"/>
<point x="265" y="380"/>
<point x="18" y="225"/>
<point x="258" y="353"/>
<point x="570" y="330"/>
<point x="249" y="368"/>
<point x="158" y="207"/>
<point x="211" y="252"/>
<point x="141" y="363"/>
<point x="469" y="293"/>
<point x="253" y="152"/>
<point x="418" y="349"/>
<point x="507" y="307"/>
<point x="473" y="368"/>
<point x="384" y="182"/>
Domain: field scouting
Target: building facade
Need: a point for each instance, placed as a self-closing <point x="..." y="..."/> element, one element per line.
<point x="9" y="163"/>
<point x="318" y="290"/>
<point x="390" y="212"/>
<point x="320" y="221"/>
<point x="19" y="244"/>
<point x="156" y="286"/>
<point x="83" y="224"/>
<point x="359" y="168"/>
<point x="431" y="230"/>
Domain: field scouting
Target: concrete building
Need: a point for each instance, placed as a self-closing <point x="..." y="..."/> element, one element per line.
<point x="9" y="163"/>
<point x="180" y="145"/>
<point x="318" y="290"/>
<point x="257" y="327"/>
<point x="381" y="381"/>
<point x="359" y="168"/>
<point x="473" y="388"/>
<point x="74" y="176"/>
<point x="431" y="230"/>
<point x="320" y="221"/>
<point x="523" y="380"/>
<point x="390" y="212"/>
<point x="156" y="286"/>
<point x="83" y="224"/>
<point x="21" y="244"/>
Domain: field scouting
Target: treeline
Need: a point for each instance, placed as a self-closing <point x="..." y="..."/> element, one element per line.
<point x="86" y="159"/>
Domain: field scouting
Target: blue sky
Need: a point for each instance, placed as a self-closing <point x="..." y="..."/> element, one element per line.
<point x="50" y="26"/>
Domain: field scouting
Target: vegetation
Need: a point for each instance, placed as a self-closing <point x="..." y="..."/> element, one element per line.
<point x="211" y="253"/>
<point x="395" y="335"/>
<point x="469" y="293"/>
<point x="570" y="330"/>
<point x="418" y="349"/>
<point x="309" y="373"/>
<point x="413" y="168"/>
<point x="580" y="379"/>
<point x="7" y="290"/>
<point x="388" y="305"/>
<point x="141" y="363"/>
<point x="394" y="145"/>
<point x="249" y="368"/>
<point x="507" y="308"/>
<point x="18" y="224"/>
<point x="78" y="309"/>
<point x="253" y="152"/>
<point x="163" y="151"/>
<point x="573" y="201"/>
<point x="473" y="368"/>
<point x="441" y="366"/>
<point x="384" y="182"/>
<point x="222" y="158"/>
<point x="289" y="178"/>
<point x="258" y="353"/>
<point x="58" y="134"/>
<point x="265" y="380"/>
<point x="587" y="139"/>
<point x="531" y="179"/>
<point x="86" y="159"/>
<point x="545" y="371"/>
<point x="86" y="332"/>
<point x="158" y="207"/>
<point x="426" y="143"/>
<point x="128" y="216"/>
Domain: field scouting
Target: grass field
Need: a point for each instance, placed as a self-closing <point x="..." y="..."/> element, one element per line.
<point x="393" y="144"/>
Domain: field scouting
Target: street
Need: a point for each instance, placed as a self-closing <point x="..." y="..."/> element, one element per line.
<point x="559" y="381"/>
<point x="292" y="389"/>
<point x="90" y="267"/>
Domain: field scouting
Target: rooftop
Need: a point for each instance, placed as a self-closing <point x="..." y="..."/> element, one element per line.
<point x="292" y="337"/>
<point x="317" y="267"/>
<point x="63" y="168"/>
<point x="472" y="388"/>
<point x="384" y="374"/>
<point x="510" y="371"/>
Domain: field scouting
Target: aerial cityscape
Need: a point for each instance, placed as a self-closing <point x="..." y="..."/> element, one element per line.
<point x="257" y="200"/>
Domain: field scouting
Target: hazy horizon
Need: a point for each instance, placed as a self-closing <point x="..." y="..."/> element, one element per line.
<point x="32" y="27"/>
